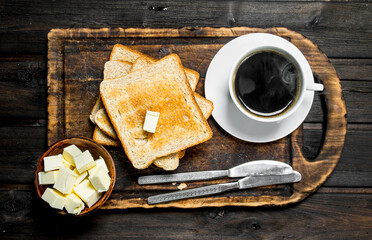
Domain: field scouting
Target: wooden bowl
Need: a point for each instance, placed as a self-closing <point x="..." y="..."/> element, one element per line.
<point x="83" y="144"/>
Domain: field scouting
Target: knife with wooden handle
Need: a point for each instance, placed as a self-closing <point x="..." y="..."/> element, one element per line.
<point x="254" y="168"/>
<point x="244" y="183"/>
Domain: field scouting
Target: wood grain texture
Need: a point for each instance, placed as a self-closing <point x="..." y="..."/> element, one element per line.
<point x="330" y="24"/>
<point x="321" y="216"/>
<point x="340" y="209"/>
<point x="85" y="50"/>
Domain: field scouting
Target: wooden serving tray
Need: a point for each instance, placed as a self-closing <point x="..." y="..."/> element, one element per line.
<point x="76" y="59"/>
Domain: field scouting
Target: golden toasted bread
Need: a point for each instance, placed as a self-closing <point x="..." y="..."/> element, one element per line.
<point x="161" y="87"/>
<point x="124" y="53"/>
<point x="103" y="122"/>
<point x="115" y="69"/>
<point x="112" y="69"/>
<point x="171" y="161"/>
<point x="101" y="138"/>
<point x="140" y="62"/>
<point x="97" y="106"/>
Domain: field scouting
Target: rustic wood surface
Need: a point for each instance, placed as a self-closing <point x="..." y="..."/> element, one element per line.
<point x="340" y="209"/>
<point x="75" y="64"/>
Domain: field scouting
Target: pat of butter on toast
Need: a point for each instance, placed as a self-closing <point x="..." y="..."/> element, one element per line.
<point x="151" y="120"/>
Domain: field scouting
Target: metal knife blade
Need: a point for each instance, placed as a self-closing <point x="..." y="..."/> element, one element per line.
<point x="259" y="181"/>
<point x="258" y="167"/>
<point x="247" y="182"/>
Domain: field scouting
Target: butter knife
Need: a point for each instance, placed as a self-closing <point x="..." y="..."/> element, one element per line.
<point x="258" y="167"/>
<point x="247" y="182"/>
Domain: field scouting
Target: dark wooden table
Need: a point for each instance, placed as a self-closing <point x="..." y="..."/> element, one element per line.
<point x="340" y="209"/>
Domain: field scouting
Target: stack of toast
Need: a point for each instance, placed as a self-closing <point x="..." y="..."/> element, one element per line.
<point x="135" y="83"/>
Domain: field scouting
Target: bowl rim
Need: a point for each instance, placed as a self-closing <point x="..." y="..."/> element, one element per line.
<point x="104" y="197"/>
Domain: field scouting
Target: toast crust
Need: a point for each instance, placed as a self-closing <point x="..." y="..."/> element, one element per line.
<point x="140" y="62"/>
<point x="97" y="106"/>
<point x="111" y="70"/>
<point x="103" y="122"/>
<point x="131" y="55"/>
<point x="126" y="66"/>
<point x="101" y="138"/>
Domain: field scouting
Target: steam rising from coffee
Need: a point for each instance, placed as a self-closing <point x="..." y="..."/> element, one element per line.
<point x="267" y="83"/>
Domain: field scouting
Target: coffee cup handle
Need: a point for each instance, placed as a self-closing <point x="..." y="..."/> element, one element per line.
<point x="316" y="87"/>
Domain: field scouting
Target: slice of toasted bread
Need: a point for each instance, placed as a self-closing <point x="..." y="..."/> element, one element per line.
<point x="161" y="87"/>
<point x="97" y="106"/>
<point x="205" y="105"/>
<point x="101" y="138"/>
<point x="112" y="69"/>
<point x="103" y="122"/>
<point x="171" y="162"/>
<point x="115" y="69"/>
<point x="124" y="53"/>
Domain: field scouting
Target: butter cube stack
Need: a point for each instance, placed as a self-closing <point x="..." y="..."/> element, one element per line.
<point x="100" y="162"/>
<point x="76" y="178"/>
<point x="70" y="152"/>
<point x="87" y="192"/>
<point x="46" y="178"/>
<point x="65" y="180"/>
<point x="74" y="205"/>
<point x="80" y="177"/>
<point x="100" y="180"/>
<point x="54" y="198"/>
<point x="84" y="162"/>
<point x="53" y="162"/>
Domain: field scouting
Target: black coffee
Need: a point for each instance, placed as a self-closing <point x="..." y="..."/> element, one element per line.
<point x="267" y="83"/>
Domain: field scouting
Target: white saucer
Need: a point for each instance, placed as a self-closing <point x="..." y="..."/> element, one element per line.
<point x="228" y="116"/>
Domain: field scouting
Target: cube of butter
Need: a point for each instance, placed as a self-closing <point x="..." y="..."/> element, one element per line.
<point x="84" y="162"/>
<point x="53" y="162"/>
<point x="70" y="152"/>
<point x="74" y="205"/>
<point x="65" y="180"/>
<point x="87" y="192"/>
<point x="54" y="198"/>
<point x="100" y="163"/>
<point x="151" y="120"/>
<point x="80" y="177"/>
<point x="47" y="177"/>
<point x="100" y="180"/>
<point x="67" y="164"/>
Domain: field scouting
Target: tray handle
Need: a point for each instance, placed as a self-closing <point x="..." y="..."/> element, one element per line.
<point x="316" y="172"/>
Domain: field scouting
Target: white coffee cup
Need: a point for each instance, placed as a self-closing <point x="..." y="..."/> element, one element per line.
<point x="270" y="42"/>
